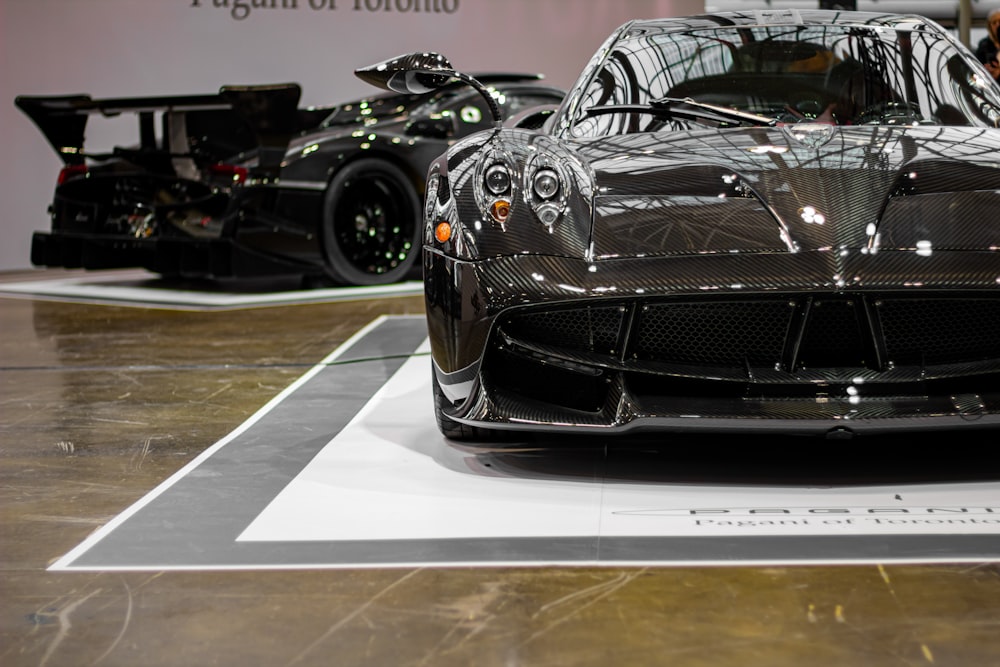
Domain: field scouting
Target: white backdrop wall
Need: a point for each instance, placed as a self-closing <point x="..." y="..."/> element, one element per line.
<point x="126" y="48"/>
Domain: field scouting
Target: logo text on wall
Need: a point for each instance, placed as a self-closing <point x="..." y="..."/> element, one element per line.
<point x="241" y="9"/>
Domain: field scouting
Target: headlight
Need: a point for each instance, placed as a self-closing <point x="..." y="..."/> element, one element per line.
<point x="546" y="183"/>
<point x="497" y="179"/>
<point x="512" y="194"/>
<point x="547" y="189"/>
<point x="494" y="184"/>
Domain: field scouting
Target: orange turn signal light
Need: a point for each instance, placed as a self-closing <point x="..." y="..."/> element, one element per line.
<point x="442" y="232"/>
<point x="500" y="209"/>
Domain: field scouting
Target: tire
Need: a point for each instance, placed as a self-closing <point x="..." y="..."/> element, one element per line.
<point x="371" y="226"/>
<point x="458" y="431"/>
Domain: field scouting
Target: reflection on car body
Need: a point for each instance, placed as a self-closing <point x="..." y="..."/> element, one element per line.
<point x="773" y="221"/>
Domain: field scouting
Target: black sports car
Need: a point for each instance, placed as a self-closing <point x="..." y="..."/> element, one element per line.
<point x="157" y="203"/>
<point x="246" y="183"/>
<point x="773" y="221"/>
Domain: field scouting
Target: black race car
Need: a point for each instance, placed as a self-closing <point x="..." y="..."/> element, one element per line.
<point x="157" y="203"/>
<point x="246" y="183"/>
<point x="774" y="221"/>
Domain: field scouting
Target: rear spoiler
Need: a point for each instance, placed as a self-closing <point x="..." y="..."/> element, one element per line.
<point x="271" y="112"/>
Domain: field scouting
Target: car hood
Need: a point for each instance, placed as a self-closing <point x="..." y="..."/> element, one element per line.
<point x="794" y="189"/>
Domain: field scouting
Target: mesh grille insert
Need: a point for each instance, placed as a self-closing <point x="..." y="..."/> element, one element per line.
<point x="583" y="329"/>
<point x="721" y="333"/>
<point x="940" y="330"/>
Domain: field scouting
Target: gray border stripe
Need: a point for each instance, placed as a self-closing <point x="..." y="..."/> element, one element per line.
<point x="197" y="520"/>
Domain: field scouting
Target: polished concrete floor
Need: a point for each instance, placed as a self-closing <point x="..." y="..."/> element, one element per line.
<point x="100" y="403"/>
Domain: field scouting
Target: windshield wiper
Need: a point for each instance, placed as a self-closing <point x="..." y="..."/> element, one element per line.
<point x="686" y="108"/>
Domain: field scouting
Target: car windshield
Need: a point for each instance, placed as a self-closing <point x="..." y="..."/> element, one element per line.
<point x="838" y="74"/>
<point x="452" y="102"/>
<point x="380" y="107"/>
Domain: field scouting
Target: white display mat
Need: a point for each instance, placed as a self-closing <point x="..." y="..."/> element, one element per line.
<point x="347" y="469"/>
<point x="391" y="475"/>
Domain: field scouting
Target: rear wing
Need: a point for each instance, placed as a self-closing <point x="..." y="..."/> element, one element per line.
<point x="205" y="128"/>
<point x="273" y="114"/>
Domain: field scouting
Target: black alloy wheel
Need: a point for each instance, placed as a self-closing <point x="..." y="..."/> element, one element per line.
<point x="371" y="224"/>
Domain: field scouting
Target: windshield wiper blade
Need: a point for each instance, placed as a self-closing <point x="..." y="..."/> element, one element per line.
<point x="675" y="107"/>
<point x="727" y="112"/>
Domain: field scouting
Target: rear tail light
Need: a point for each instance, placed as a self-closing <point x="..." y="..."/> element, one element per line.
<point x="69" y="171"/>
<point x="232" y="172"/>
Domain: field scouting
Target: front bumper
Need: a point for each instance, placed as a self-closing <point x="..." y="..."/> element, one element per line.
<point x="544" y="343"/>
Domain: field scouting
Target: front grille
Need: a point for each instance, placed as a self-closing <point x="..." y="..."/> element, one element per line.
<point x="786" y="333"/>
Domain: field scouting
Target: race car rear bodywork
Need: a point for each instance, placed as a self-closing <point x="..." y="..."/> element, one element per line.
<point x="161" y="202"/>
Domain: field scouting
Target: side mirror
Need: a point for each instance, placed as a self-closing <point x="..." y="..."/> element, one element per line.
<point x="418" y="73"/>
<point x="414" y="73"/>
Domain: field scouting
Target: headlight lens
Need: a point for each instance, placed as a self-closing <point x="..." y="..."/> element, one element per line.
<point x="497" y="179"/>
<point x="546" y="183"/>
